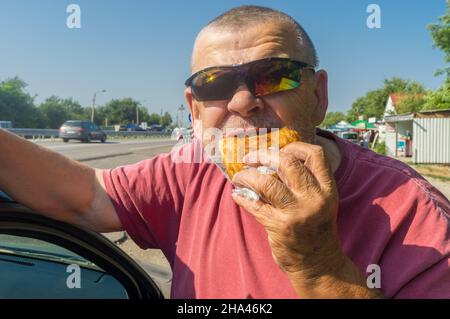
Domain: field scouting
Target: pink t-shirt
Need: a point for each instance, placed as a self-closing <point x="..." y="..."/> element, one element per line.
<point x="388" y="215"/>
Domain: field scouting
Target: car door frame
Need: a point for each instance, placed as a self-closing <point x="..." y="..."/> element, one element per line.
<point x="94" y="247"/>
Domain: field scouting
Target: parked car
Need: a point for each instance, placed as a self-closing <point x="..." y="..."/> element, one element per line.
<point x="84" y="131"/>
<point x="156" y="128"/>
<point x="44" y="256"/>
<point x="350" y="136"/>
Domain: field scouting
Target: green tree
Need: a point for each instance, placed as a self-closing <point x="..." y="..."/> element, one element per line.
<point x="143" y="115"/>
<point x="154" y="118"/>
<point x="411" y="103"/>
<point x="17" y="105"/>
<point x="56" y="111"/>
<point x="439" y="99"/>
<point x="332" y="118"/>
<point x="166" y="119"/>
<point x="440" y="33"/>
<point x="374" y="102"/>
<point x="121" y="111"/>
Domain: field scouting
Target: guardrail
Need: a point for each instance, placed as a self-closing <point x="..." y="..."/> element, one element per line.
<point x="52" y="134"/>
<point x="137" y="134"/>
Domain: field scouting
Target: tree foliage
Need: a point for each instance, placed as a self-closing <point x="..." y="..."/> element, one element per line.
<point x="55" y="111"/>
<point x="166" y="119"/>
<point x="411" y="103"/>
<point x="439" y="99"/>
<point x="374" y="102"/>
<point x="332" y="118"/>
<point x="17" y="105"/>
<point x="440" y="32"/>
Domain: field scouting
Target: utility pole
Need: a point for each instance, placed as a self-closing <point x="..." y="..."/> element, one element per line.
<point x="182" y="114"/>
<point x="137" y="114"/>
<point x="139" y="103"/>
<point x="93" y="103"/>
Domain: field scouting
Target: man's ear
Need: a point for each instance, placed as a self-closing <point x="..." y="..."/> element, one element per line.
<point x="321" y="93"/>
<point x="192" y="107"/>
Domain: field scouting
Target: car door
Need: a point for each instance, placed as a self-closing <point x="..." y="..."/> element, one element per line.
<point x="44" y="258"/>
<point x="94" y="131"/>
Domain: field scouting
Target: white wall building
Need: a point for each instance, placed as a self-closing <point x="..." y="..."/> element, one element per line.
<point x="425" y="136"/>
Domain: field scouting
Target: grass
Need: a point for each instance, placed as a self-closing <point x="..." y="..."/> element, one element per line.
<point x="437" y="171"/>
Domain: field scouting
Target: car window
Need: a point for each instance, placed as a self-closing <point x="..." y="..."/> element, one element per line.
<point x="44" y="270"/>
<point x="35" y="247"/>
<point x="72" y="124"/>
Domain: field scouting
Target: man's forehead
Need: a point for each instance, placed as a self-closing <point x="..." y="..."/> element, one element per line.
<point x="217" y="47"/>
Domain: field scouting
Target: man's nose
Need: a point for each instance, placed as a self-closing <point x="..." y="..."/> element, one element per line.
<point x="244" y="102"/>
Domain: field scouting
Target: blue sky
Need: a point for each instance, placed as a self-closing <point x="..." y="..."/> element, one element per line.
<point x="142" y="48"/>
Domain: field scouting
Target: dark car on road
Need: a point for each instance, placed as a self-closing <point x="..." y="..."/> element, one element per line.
<point x="156" y="128"/>
<point x="84" y="131"/>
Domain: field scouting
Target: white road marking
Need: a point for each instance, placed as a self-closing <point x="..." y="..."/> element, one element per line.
<point x="150" y="147"/>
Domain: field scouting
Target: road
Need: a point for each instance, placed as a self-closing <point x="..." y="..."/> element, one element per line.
<point x="96" y="150"/>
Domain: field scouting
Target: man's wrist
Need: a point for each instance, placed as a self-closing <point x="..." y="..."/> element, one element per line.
<point x="334" y="277"/>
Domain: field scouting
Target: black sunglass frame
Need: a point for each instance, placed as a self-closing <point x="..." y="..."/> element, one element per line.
<point x="240" y="67"/>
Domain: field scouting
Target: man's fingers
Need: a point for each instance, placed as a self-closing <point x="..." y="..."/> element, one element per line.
<point x="290" y="168"/>
<point x="314" y="158"/>
<point x="257" y="208"/>
<point x="271" y="189"/>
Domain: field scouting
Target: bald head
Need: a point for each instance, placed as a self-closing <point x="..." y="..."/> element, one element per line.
<point x="238" y="21"/>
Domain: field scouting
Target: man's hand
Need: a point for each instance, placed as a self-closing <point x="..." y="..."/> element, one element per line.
<point x="298" y="210"/>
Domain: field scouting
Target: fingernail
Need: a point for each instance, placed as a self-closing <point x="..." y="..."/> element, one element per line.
<point x="246" y="193"/>
<point x="266" y="170"/>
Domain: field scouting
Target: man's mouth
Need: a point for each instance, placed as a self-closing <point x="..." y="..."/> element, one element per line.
<point x="249" y="131"/>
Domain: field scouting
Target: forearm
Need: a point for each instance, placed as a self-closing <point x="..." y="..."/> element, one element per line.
<point x="45" y="180"/>
<point x="336" y="280"/>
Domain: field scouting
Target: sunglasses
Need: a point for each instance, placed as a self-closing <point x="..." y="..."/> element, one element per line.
<point x="262" y="77"/>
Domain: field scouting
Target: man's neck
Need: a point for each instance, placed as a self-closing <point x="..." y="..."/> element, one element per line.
<point x="331" y="150"/>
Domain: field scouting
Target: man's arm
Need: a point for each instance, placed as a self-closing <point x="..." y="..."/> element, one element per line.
<point x="54" y="185"/>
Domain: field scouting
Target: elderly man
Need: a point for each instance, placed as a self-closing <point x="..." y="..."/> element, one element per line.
<point x="335" y="214"/>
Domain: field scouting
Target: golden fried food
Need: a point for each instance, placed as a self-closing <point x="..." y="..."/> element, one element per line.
<point x="234" y="148"/>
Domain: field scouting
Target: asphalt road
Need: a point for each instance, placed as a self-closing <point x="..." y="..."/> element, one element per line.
<point x="97" y="150"/>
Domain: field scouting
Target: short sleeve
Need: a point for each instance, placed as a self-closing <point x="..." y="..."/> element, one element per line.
<point x="148" y="197"/>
